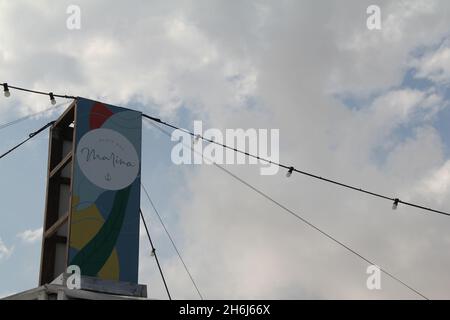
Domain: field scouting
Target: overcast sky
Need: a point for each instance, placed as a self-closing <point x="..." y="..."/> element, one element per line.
<point x="368" y="107"/>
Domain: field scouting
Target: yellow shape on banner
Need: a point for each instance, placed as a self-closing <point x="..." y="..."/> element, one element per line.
<point x="85" y="225"/>
<point x="110" y="270"/>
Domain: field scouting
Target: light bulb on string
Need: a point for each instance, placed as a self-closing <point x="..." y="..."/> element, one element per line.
<point x="289" y="173"/>
<point x="6" y="90"/>
<point x="395" y="204"/>
<point x="52" y="98"/>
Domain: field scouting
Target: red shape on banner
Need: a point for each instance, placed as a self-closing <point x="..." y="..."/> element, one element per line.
<point x="99" y="114"/>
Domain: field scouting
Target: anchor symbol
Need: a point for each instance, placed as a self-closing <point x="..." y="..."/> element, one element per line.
<point x="108" y="177"/>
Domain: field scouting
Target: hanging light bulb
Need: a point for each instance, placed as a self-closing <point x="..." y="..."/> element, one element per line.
<point x="6" y="90"/>
<point x="152" y="254"/>
<point x="289" y="173"/>
<point x="52" y="98"/>
<point x="395" y="204"/>
<point x="197" y="137"/>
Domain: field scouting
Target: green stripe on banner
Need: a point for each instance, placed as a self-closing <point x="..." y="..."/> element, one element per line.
<point x="93" y="256"/>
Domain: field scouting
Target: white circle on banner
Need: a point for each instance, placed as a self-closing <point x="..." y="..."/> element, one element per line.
<point x="107" y="159"/>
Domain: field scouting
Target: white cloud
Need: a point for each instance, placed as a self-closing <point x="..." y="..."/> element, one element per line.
<point x="31" y="236"/>
<point x="5" y="252"/>
<point x="436" y="185"/>
<point x="435" y="65"/>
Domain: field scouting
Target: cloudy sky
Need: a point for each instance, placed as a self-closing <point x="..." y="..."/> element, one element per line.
<point x="368" y="107"/>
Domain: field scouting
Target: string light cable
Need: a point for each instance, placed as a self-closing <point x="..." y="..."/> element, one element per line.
<point x="51" y="95"/>
<point x="30" y="136"/>
<point x="290" y="169"/>
<point x="172" y="241"/>
<point x="395" y="200"/>
<point x="26" y="117"/>
<point x="153" y="253"/>
<point x="302" y="219"/>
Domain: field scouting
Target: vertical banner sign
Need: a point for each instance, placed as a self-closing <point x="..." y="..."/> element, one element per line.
<point x="104" y="217"/>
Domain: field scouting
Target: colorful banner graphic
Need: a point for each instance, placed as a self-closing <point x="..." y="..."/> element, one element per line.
<point x="104" y="221"/>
